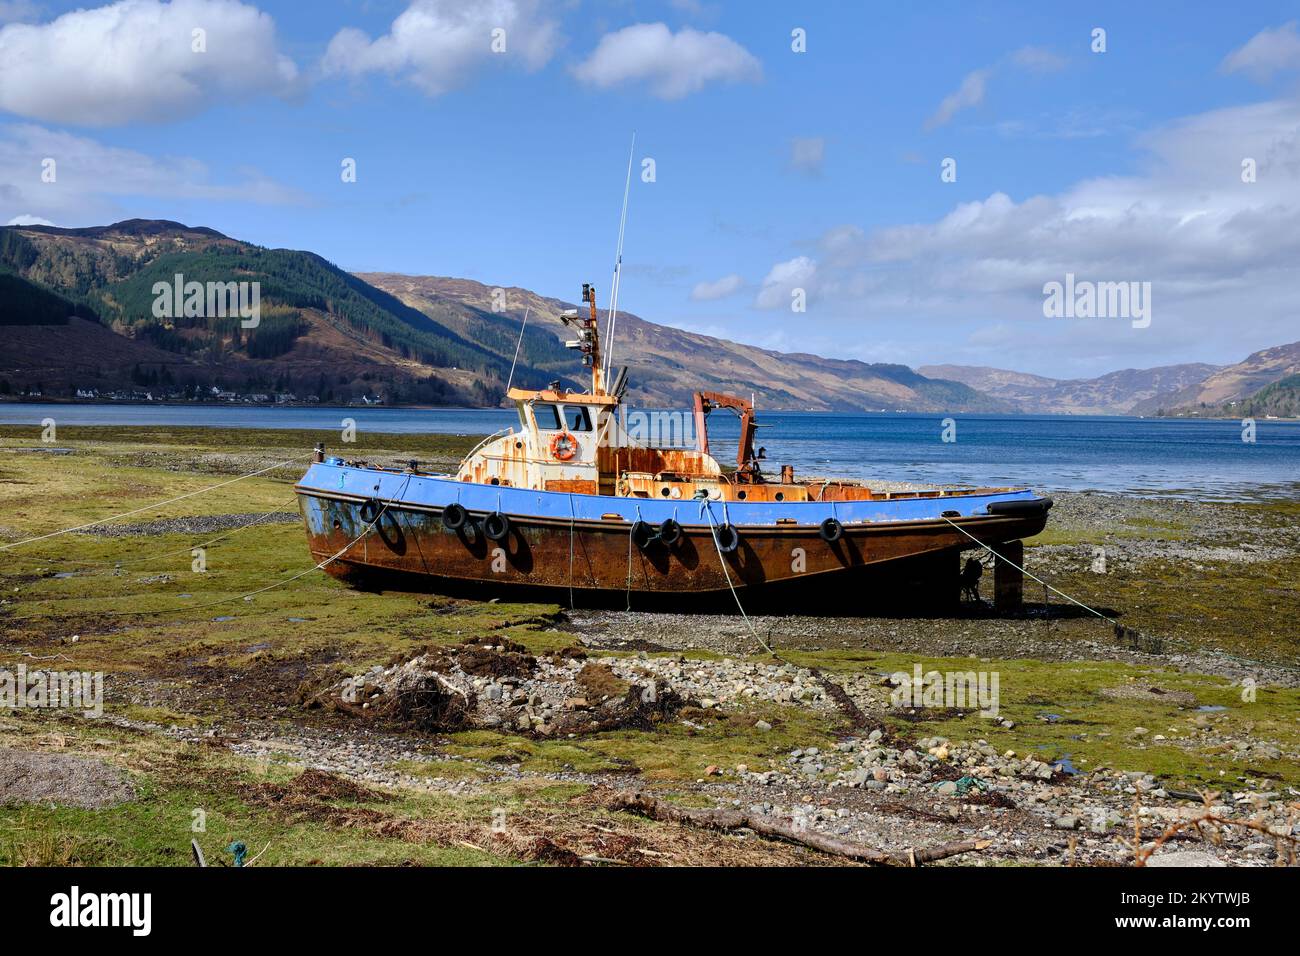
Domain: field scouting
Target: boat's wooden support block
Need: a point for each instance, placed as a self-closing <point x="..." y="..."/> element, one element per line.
<point x="1008" y="579"/>
<point x="941" y="580"/>
<point x="950" y="564"/>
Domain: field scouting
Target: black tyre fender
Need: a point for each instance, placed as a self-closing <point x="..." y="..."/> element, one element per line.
<point x="642" y="534"/>
<point x="831" y="530"/>
<point x="496" y="526"/>
<point x="454" y="517"/>
<point x="670" y="532"/>
<point x="728" y="538"/>
<point x="370" y="510"/>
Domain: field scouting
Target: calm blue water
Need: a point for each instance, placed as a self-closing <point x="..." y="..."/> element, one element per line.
<point x="1137" y="456"/>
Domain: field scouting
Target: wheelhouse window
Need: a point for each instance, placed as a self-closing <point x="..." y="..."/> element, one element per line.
<point x="577" y="418"/>
<point x="548" y="418"/>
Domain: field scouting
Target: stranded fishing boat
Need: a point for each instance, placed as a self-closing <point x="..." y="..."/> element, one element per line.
<point x="571" y="505"/>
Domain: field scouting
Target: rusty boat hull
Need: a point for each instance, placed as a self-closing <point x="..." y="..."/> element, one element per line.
<point x="387" y="528"/>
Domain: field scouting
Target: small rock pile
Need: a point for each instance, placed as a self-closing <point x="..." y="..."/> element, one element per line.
<point x="499" y="685"/>
<point x="481" y="684"/>
<point x="978" y="772"/>
<point x="875" y="763"/>
<point x="725" y="682"/>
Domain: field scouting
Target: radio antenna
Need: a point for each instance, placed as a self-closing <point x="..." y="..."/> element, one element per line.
<point x="618" y="265"/>
<point x="518" y="345"/>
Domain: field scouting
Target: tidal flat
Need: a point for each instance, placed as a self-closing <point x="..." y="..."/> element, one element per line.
<point x="221" y="700"/>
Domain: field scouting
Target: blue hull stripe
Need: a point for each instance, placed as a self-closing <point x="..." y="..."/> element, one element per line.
<point x="431" y="491"/>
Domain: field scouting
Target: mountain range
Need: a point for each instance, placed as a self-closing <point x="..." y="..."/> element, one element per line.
<point x="77" y="306"/>
<point x="1264" y="383"/>
<point x="78" y="318"/>
<point x="1116" y="393"/>
<point x="668" y="364"/>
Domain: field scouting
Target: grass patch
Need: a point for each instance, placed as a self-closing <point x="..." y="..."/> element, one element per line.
<point x="1134" y="528"/>
<point x="1097" y="728"/>
<point x="190" y="437"/>
<point x="136" y="604"/>
<point x="173" y="780"/>
<point x="673" y="751"/>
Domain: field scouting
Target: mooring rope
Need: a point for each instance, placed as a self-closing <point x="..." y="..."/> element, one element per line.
<point x="629" y="568"/>
<point x="571" y="521"/>
<point x="1090" y="610"/>
<point x="713" y="530"/>
<point x="630" y="530"/>
<point x="1110" y="620"/>
<point x="270" y="587"/>
<point x="156" y="504"/>
<point x="99" y="565"/>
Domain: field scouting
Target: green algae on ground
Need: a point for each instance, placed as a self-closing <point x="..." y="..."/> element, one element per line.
<point x="1248" y="610"/>
<point x="143" y="620"/>
<point x="1134" y="528"/>
<point x="671" y="751"/>
<point x="135" y="605"/>
<point x="183" y="786"/>
<point x="1085" y="709"/>
<point x="163" y="438"/>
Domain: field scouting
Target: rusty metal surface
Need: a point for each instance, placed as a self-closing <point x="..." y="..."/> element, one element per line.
<point x="572" y="486"/>
<point x="538" y="554"/>
<point x="747" y="462"/>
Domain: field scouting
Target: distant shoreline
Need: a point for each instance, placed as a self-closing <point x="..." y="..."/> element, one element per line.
<point x="1199" y="458"/>
<point x="109" y="403"/>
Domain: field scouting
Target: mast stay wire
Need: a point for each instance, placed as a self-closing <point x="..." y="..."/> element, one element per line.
<point x="616" y="282"/>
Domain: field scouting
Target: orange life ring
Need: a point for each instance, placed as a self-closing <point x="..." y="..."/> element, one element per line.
<point x="564" y="446"/>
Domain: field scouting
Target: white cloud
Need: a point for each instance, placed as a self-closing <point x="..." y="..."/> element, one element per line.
<point x="1038" y="59"/>
<point x="1075" y="123"/>
<point x="435" y="44"/>
<point x="134" y="61"/>
<point x="1267" y="52"/>
<point x="970" y="93"/>
<point x="711" y="291"/>
<point x="672" y="64"/>
<point x="807" y="154"/>
<point x="1220" y="254"/>
<point x="91" y="177"/>
<point x="28" y="220"/>
<point x="974" y="85"/>
<point x="842" y="245"/>
<point x="1189" y="213"/>
<point x="781" y="281"/>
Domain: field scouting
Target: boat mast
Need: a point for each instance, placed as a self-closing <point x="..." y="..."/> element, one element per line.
<point x="618" y="265"/>
<point x="591" y="339"/>
<point x="588" y="340"/>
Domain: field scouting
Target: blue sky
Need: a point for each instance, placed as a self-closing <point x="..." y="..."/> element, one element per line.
<point x="775" y="169"/>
